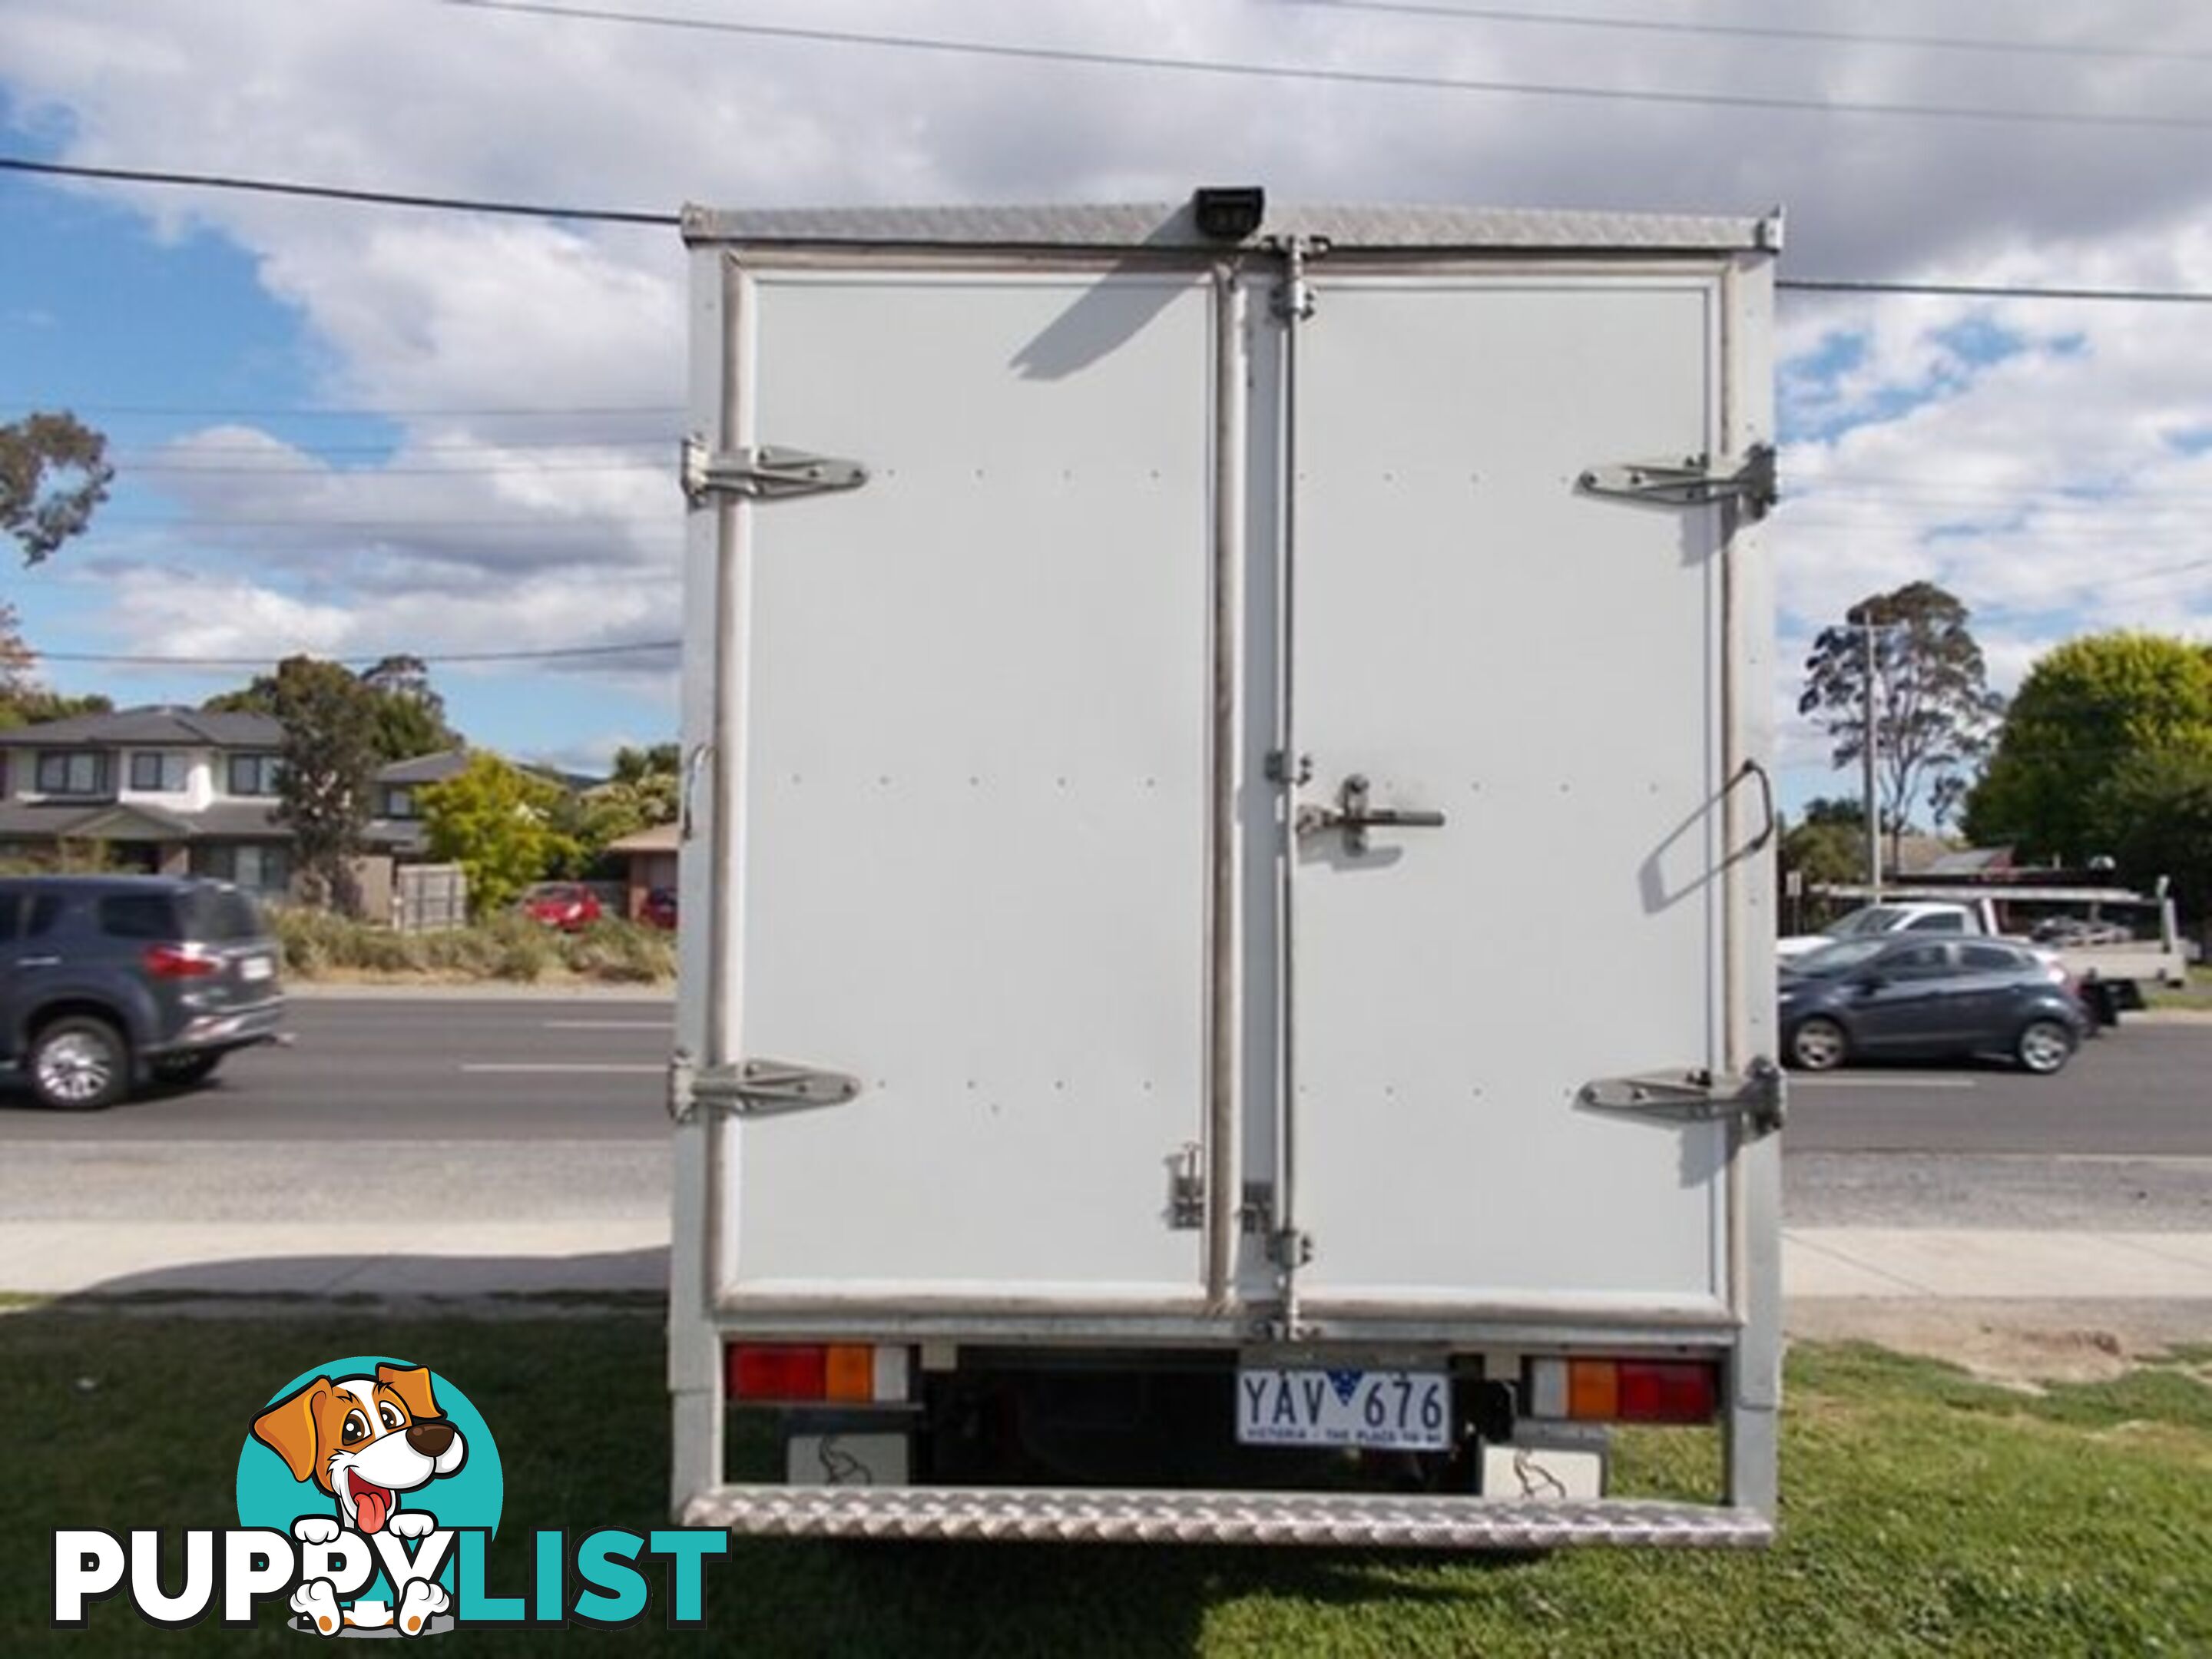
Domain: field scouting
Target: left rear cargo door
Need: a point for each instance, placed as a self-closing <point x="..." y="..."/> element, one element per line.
<point x="969" y="782"/>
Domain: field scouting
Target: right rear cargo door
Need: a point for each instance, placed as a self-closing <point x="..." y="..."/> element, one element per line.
<point x="1477" y="639"/>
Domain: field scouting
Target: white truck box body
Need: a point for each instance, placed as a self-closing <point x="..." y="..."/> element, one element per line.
<point x="1013" y="766"/>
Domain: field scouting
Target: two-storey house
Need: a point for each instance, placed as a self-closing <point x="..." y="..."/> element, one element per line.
<point x="168" y="791"/>
<point x="180" y="792"/>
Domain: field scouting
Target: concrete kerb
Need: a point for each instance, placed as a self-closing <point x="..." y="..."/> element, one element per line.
<point x="1863" y="1267"/>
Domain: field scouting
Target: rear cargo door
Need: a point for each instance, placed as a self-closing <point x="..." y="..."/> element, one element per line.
<point x="1477" y="638"/>
<point x="972" y="798"/>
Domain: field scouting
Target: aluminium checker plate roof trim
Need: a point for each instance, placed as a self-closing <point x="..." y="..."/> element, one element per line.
<point x="1172" y="228"/>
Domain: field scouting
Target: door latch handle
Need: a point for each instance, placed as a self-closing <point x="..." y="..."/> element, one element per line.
<point x="1355" y="818"/>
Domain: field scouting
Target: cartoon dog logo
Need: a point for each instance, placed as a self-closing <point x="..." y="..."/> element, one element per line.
<point x="367" y="1441"/>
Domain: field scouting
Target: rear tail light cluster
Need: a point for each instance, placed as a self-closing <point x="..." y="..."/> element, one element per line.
<point x="179" y="962"/>
<point x="810" y="1373"/>
<point x="1624" y="1390"/>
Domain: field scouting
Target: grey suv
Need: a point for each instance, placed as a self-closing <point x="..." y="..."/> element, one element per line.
<point x="106" y="981"/>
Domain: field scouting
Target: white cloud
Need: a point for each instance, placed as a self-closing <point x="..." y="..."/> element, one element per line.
<point x="2045" y="487"/>
<point x="187" y="614"/>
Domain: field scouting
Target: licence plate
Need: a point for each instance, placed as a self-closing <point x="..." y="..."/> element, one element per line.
<point x="1397" y="1411"/>
<point x="255" y="967"/>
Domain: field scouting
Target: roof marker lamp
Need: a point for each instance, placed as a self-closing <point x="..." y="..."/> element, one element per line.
<point x="1228" y="214"/>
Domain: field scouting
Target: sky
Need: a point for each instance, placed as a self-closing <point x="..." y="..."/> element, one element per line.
<point x="352" y="431"/>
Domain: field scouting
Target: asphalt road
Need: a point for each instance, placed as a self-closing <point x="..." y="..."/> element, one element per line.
<point x="2144" y="1090"/>
<point x="411" y="1069"/>
<point x="464" y="1068"/>
<point x="544" y="1108"/>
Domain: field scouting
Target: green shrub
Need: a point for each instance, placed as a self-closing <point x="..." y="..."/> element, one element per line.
<point x="453" y="951"/>
<point x="521" y="949"/>
<point x="506" y="946"/>
<point x="620" y="952"/>
<point x="312" y="940"/>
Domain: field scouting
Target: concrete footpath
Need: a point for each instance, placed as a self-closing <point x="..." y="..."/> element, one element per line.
<point x="625" y="1256"/>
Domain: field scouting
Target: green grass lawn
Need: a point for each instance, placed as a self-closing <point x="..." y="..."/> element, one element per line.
<point x="2197" y="994"/>
<point x="1924" y="1513"/>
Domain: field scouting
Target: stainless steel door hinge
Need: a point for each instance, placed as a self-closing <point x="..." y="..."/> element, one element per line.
<point x="767" y="473"/>
<point x="754" y="1088"/>
<point x="1187" y="1188"/>
<point x="1694" y="481"/>
<point x="1758" y="1097"/>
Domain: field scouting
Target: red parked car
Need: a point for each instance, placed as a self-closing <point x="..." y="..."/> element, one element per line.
<point x="567" y="905"/>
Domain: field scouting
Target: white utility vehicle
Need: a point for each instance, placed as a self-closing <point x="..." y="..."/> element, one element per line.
<point x="2113" y="941"/>
<point x="1151" y="675"/>
<point x="1943" y="918"/>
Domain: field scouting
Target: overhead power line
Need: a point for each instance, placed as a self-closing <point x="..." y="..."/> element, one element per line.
<point x="1995" y="291"/>
<point x="1325" y="75"/>
<point x="1441" y="8"/>
<point x="352" y="475"/>
<point x="339" y="193"/>
<point x="551" y="653"/>
<point x="597" y="526"/>
<point x="469" y="204"/>
<point x="460" y="449"/>
<point x="2188" y="569"/>
<point x="312" y="412"/>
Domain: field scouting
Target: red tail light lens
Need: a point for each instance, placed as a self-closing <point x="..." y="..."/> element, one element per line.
<point x="1666" y="1391"/>
<point x="779" y="1371"/>
<point x="782" y="1373"/>
<point x="179" y="962"/>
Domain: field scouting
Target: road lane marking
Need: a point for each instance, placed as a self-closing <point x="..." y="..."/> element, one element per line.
<point x="609" y="1024"/>
<point x="1884" y="1083"/>
<point x="559" y="1065"/>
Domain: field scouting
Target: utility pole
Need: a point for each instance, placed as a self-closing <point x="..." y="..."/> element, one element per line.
<point x="1867" y="763"/>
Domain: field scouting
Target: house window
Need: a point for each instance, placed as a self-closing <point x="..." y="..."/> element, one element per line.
<point x="263" y="869"/>
<point x="73" y="772"/>
<point x="253" y="774"/>
<point x="399" y="801"/>
<point x="258" y="867"/>
<point x="160" y="771"/>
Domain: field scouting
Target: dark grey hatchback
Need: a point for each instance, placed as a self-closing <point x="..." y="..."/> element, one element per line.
<point x="1911" y="997"/>
<point x="107" y="981"/>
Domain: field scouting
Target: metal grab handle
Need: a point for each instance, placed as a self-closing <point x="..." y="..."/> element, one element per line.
<point x="1353" y="815"/>
<point x="690" y="788"/>
<point x="1752" y="768"/>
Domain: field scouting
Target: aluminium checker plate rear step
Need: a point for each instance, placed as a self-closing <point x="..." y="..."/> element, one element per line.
<point x="1322" y="1520"/>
